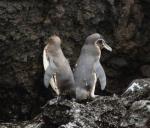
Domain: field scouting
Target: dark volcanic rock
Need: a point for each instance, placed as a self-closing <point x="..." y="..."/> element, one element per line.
<point x="138" y="116"/>
<point x="138" y="90"/>
<point x="136" y="98"/>
<point x="102" y="112"/>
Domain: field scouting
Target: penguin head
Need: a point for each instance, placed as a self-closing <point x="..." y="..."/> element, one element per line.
<point x="54" y="40"/>
<point x="103" y="45"/>
<point x="91" y="39"/>
<point x="97" y="40"/>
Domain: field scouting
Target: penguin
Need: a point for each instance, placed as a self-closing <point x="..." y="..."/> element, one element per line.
<point x="88" y="67"/>
<point x="58" y="72"/>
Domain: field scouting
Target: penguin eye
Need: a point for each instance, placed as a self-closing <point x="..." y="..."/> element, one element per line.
<point x="100" y="42"/>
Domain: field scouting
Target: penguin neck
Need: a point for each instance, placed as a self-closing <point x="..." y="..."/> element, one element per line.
<point x="54" y="50"/>
<point x="92" y="50"/>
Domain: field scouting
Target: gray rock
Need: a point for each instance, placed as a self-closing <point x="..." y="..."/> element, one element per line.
<point x="138" y="115"/>
<point x="100" y="113"/>
<point x="137" y="86"/>
<point x="139" y="89"/>
<point x="132" y="110"/>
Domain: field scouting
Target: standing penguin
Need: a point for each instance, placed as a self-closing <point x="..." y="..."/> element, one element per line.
<point x="88" y="67"/>
<point x="57" y="69"/>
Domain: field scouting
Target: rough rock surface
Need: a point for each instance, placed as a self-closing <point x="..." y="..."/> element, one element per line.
<point x="102" y="112"/>
<point x="136" y="98"/>
<point x="138" y="115"/>
<point x="25" y="24"/>
<point x="139" y="89"/>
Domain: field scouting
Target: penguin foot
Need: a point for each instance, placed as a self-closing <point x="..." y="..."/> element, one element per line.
<point x="94" y="96"/>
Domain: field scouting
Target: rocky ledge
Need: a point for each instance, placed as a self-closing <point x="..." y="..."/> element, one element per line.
<point x="131" y="110"/>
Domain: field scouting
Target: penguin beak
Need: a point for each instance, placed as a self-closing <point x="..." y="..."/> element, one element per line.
<point x="106" y="46"/>
<point x="102" y="44"/>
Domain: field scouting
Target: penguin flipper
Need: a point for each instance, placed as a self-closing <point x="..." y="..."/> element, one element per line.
<point x="46" y="63"/>
<point x="53" y="83"/>
<point x="48" y="76"/>
<point x="48" y="79"/>
<point x="100" y="73"/>
<point x="45" y="59"/>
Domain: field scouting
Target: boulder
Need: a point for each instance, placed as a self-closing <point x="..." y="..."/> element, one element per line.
<point x="139" y="89"/>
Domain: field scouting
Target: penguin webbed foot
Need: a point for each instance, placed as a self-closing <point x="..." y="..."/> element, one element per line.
<point x="94" y="96"/>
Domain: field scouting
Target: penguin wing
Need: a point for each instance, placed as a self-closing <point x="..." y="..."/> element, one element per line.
<point x="49" y="73"/>
<point x="53" y="83"/>
<point x="100" y="73"/>
<point x="45" y="59"/>
<point x="49" y="76"/>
